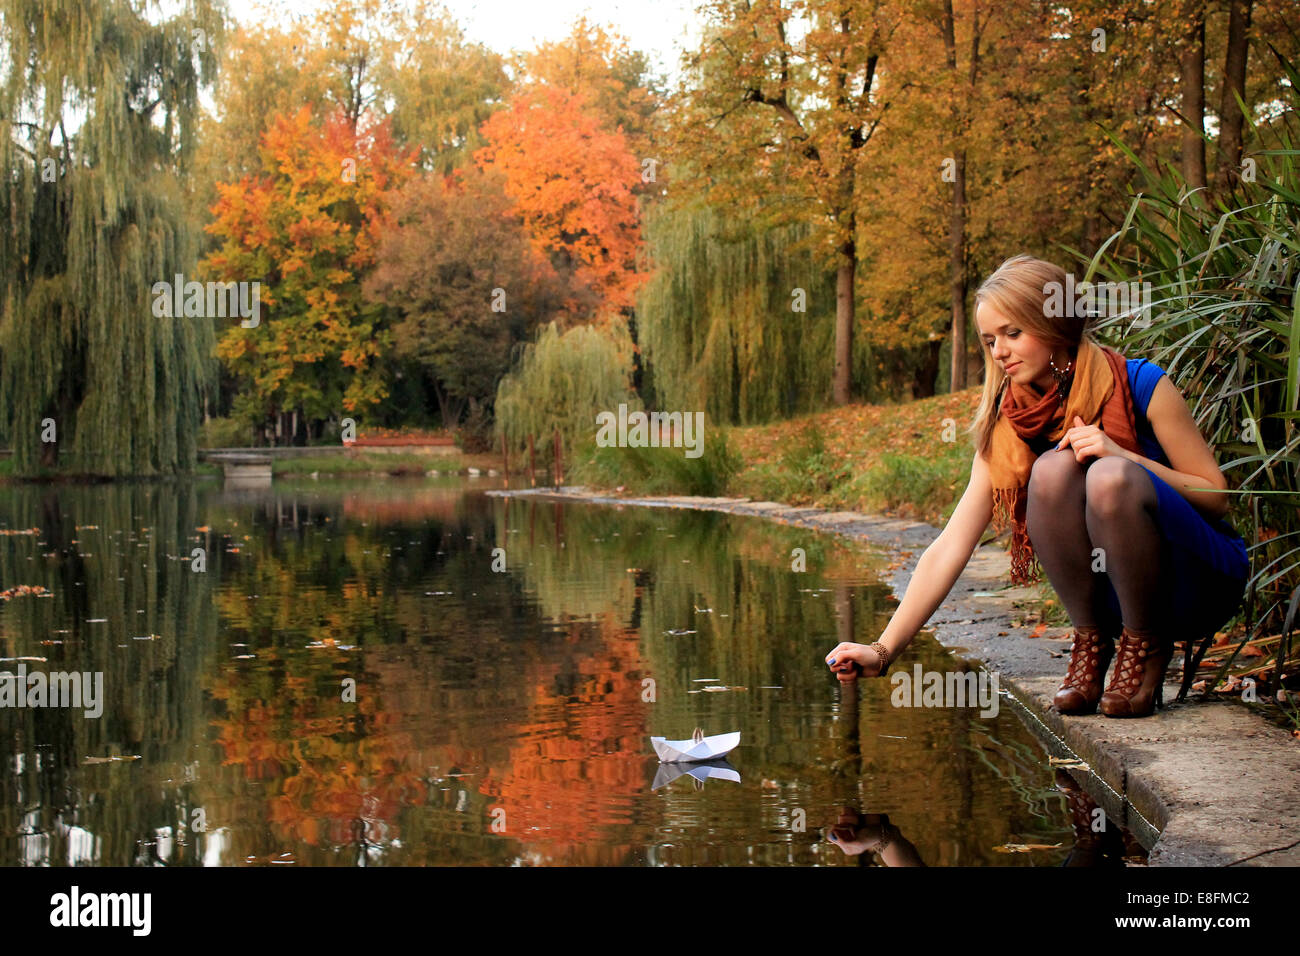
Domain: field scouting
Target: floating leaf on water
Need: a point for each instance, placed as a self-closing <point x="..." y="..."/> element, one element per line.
<point x="24" y="589"/>
<point x="1025" y="847"/>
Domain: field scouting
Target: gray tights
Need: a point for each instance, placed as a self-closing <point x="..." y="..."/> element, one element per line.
<point x="1107" y="503"/>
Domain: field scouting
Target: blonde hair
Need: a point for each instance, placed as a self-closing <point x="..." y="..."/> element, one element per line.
<point x="1017" y="289"/>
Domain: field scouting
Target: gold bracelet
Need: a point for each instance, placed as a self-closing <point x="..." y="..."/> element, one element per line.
<point x="883" y="651"/>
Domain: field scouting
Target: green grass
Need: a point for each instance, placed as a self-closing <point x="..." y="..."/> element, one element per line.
<point x="804" y="474"/>
<point x="363" y="463"/>
<point x="927" y="486"/>
<point x="660" y="471"/>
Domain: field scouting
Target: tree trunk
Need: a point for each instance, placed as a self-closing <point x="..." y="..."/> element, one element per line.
<point x="957" y="273"/>
<point x="49" y="457"/>
<point x="925" y="374"/>
<point x="1231" y="119"/>
<point x="450" y="416"/>
<point x="1193" y="87"/>
<point x="844" y="318"/>
<point x="957" y="213"/>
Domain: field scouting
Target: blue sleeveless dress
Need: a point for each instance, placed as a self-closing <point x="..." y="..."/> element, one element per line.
<point x="1205" y="561"/>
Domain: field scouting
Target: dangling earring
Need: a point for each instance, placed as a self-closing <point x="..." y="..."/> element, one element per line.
<point x="1063" y="379"/>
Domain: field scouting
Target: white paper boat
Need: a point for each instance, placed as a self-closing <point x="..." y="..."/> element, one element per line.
<point x="695" y="749"/>
<point x="702" y="772"/>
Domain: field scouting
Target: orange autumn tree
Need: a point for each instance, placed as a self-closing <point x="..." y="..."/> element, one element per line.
<point x="306" y="229"/>
<point x="572" y="183"/>
<point x="614" y="79"/>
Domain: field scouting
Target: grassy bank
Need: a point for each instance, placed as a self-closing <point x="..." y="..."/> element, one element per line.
<point x="909" y="460"/>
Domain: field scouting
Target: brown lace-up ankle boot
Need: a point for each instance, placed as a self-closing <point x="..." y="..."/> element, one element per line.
<point x="1089" y="656"/>
<point x="1137" y="685"/>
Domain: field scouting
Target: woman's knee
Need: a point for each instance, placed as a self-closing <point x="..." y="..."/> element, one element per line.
<point x="1116" y="486"/>
<point x="1056" y="476"/>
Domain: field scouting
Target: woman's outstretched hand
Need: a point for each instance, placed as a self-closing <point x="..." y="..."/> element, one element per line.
<point x="850" y="661"/>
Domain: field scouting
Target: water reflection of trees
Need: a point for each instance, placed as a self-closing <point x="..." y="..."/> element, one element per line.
<point x="520" y="692"/>
<point x="942" y="778"/>
<point x="110" y="552"/>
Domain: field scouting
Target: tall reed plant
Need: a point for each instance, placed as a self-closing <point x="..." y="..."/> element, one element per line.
<point x="1225" y="324"/>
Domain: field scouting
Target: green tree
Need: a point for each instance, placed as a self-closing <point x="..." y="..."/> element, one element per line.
<point x="776" y="116"/>
<point x="98" y="113"/>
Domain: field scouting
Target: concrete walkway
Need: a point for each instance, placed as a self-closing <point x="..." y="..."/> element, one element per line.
<point x="1218" y="783"/>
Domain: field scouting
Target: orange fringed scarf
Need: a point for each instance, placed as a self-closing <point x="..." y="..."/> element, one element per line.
<point x="1098" y="393"/>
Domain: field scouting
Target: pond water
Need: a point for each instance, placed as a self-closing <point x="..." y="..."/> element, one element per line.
<point x="349" y="681"/>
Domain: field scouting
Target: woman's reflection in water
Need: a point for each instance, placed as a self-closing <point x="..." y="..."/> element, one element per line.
<point x="1096" y="841"/>
<point x="865" y="836"/>
<point x="858" y="834"/>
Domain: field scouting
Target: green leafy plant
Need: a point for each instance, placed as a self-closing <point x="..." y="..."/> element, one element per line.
<point x="1225" y="325"/>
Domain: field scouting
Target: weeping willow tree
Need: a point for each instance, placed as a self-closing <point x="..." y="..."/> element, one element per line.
<point x="98" y="113"/>
<point x="720" y="323"/>
<point x="563" y="380"/>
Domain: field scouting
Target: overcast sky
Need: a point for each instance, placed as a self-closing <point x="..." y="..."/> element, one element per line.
<point x="660" y="28"/>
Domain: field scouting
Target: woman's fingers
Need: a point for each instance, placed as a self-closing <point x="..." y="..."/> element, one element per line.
<point x="837" y="653"/>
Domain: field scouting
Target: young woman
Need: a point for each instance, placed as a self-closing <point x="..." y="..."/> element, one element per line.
<point x="1097" y="463"/>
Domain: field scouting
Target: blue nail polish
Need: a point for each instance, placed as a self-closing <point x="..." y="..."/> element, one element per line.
<point x="832" y="660"/>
